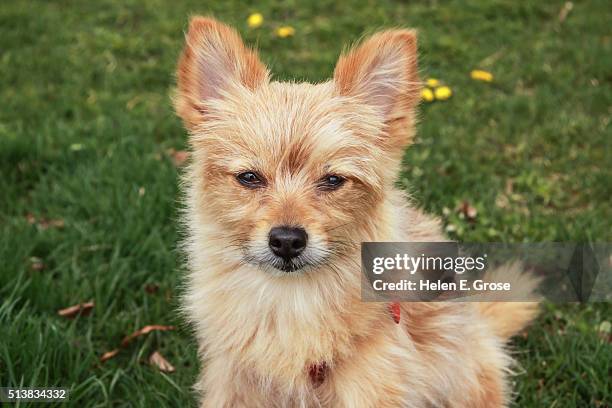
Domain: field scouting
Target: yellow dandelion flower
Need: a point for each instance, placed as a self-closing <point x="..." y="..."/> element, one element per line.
<point x="255" y="20"/>
<point x="427" y="95"/>
<point x="480" y="75"/>
<point x="432" y="82"/>
<point x="442" y="93"/>
<point x="285" y="31"/>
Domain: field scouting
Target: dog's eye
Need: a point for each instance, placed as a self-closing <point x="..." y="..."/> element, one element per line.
<point x="331" y="182"/>
<point x="250" y="179"/>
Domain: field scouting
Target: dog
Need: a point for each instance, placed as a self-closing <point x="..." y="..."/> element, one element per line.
<point x="285" y="181"/>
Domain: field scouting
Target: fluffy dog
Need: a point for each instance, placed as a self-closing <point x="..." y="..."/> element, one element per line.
<point x="286" y="180"/>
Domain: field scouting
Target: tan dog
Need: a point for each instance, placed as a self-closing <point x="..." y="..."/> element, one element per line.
<point x="286" y="181"/>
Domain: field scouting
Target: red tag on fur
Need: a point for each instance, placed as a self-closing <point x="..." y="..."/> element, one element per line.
<point x="317" y="373"/>
<point x="394" y="308"/>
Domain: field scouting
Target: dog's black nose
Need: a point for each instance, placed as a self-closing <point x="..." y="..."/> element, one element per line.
<point x="287" y="242"/>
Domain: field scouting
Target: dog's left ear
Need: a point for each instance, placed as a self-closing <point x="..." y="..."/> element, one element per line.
<point x="382" y="72"/>
<point x="214" y="63"/>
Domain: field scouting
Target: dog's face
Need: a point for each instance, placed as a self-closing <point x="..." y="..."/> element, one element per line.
<point x="294" y="174"/>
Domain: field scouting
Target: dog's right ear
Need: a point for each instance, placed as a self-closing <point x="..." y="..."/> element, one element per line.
<point x="213" y="63"/>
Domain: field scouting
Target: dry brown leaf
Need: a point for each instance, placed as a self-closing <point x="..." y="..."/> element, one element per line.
<point x="109" y="354"/>
<point x="502" y="201"/>
<point x="606" y="337"/>
<point x="151" y="288"/>
<point x="179" y="157"/>
<point x="80" y="309"/>
<point x="468" y="211"/>
<point x="565" y="10"/>
<point x="44" y="223"/>
<point x="36" y="264"/>
<point x="509" y="188"/>
<point x="59" y="223"/>
<point x="133" y="102"/>
<point x="147" y="329"/>
<point x="30" y="218"/>
<point x="143" y="331"/>
<point x="161" y="363"/>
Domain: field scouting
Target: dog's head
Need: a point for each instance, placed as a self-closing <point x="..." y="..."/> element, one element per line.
<point x="294" y="175"/>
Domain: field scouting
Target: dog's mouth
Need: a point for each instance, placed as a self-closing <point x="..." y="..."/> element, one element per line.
<point x="278" y="264"/>
<point x="288" y="266"/>
<point x="264" y="259"/>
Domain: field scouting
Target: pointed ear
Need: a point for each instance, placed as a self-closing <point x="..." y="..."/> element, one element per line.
<point x="214" y="61"/>
<point x="382" y="73"/>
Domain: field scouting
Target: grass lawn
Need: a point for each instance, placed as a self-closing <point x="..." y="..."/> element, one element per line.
<point x="86" y="125"/>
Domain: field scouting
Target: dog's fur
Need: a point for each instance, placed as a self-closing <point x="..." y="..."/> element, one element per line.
<point x="260" y="329"/>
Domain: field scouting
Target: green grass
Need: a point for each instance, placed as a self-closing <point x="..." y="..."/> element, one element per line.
<point x="86" y="120"/>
